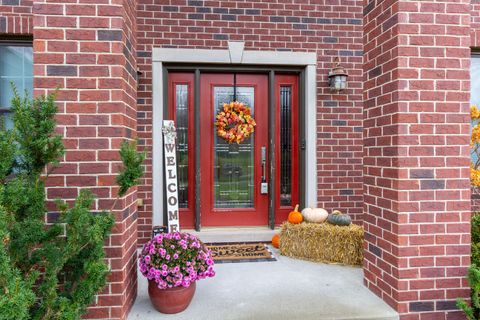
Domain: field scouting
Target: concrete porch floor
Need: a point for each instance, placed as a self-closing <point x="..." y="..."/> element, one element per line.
<point x="283" y="289"/>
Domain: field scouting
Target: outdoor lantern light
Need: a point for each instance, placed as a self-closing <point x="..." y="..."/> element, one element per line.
<point x="337" y="78"/>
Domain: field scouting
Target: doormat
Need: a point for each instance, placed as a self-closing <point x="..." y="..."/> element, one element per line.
<point x="240" y="252"/>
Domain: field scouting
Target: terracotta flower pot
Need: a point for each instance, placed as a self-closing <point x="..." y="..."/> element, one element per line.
<point x="171" y="300"/>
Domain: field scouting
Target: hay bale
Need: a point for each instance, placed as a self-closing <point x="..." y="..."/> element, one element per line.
<point x="322" y="242"/>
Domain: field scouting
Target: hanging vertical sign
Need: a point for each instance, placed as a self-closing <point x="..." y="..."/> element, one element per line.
<point x="171" y="190"/>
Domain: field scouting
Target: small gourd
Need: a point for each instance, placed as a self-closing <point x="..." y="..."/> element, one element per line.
<point x="276" y="241"/>
<point x="295" y="216"/>
<point x="315" y="215"/>
<point x="339" y="219"/>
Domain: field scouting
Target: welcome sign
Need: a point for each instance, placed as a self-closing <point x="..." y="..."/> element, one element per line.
<point x="171" y="184"/>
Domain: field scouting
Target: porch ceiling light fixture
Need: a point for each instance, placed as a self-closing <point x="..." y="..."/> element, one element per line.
<point x="337" y="77"/>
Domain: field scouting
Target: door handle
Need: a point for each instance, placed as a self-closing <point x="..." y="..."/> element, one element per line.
<point x="264" y="184"/>
<point x="264" y="163"/>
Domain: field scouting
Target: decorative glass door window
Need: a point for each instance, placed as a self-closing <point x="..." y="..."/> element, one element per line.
<point x="180" y="97"/>
<point x="181" y="109"/>
<point x="287" y="142"/>
<point x="285" y="145"/>
<point x="233" y="163"/>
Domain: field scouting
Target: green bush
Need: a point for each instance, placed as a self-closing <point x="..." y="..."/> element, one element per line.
<point x="472" y="310"/>
<point x="49" y="271"/>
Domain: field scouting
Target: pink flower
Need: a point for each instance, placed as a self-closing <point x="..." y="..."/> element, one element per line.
<point x="158" y="252"/>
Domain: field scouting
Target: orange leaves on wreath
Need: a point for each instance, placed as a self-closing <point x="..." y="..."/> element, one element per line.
<point x="235" y="122"/>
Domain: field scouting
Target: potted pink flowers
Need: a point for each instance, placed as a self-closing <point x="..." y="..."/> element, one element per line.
<point x="172" y="263"/>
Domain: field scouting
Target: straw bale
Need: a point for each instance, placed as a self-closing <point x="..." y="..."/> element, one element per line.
<point x="323" y="242"/>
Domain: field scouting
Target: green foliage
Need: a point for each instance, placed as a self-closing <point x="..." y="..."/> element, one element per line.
<point x="132" y="169"/>
<point x="472" y="310"/>
<point x="48" y="272"/>
<point x="77" y="258"/>
<point x="7" y="151"/>
<point x="476" y="239"/>
<point x="34" y="129"/>
<point x="16" y="294"/>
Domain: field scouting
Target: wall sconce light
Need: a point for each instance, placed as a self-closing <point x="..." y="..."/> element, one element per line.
<point x="337" y="77"/>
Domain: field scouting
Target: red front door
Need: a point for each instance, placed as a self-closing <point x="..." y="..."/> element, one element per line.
<point x="232" y="173"/>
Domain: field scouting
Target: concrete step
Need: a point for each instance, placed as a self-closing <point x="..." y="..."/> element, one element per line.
<point x="286" y="289"/>
<point x="234" y="234"/>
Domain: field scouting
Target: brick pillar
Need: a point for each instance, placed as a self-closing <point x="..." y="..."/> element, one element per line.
<point x="416" y="154"/>
<point x="88" y="50"/>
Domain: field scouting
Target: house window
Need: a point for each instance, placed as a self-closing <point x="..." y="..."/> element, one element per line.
<point x="475" y="80"/>
<point x="475" y="95"/>
<point x="16" y="67"/>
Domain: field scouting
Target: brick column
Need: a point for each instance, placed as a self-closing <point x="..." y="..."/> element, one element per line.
<point x="416" y="154"/>
<point x="88" y="50"/>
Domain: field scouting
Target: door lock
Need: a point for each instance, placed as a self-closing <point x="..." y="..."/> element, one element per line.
<point x="264" y="184"/>
<point x="264" y="188"/>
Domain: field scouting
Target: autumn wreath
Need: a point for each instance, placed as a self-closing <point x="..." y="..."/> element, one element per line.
<point x="234" y="122"/>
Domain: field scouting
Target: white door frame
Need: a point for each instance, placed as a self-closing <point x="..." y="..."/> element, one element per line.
<point x="233" y="55"/>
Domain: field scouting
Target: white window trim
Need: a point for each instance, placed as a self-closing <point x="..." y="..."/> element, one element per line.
<point x="234" y="55"/>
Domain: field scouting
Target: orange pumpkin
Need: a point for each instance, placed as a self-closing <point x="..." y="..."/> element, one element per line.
<point x="276" y="241"/>
<point x="295" y="217"/>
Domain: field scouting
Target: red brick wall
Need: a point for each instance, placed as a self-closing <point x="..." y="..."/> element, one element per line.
<point x="417" y="130"/>
<point x="417" y="219"/>
<point x="330" y="29"/>
<point x="16" y="17"/>
<point x="88" y="50"/>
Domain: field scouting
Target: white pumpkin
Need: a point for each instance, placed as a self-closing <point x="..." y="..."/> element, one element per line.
<point x="316" y="215"/>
